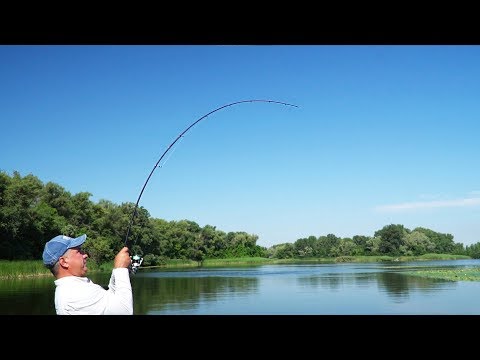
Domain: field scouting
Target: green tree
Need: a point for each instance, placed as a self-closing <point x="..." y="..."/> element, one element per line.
<point x="284" y="251"/>
<point x="417" y="243"/>
<point x="473" y="250"/>
<point x="392" y="237"/>
<point x="361" y="242"/>
<point x="100" y="249"/>
<point x="58" y="198"/>
<point x="82" y="210"/>
<point x="443" y="242"/>
<point x="372" y="246"/>
<point x="326" y="244"/>
<point x="20" y="198"/>
<point x="345" y="247"/>
<point x="305" y="247"/>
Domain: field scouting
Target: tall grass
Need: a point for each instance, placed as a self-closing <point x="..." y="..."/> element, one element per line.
<point x="20" y="268"/>
<point x="442" y="257"/>
<point x="236" y="261"/>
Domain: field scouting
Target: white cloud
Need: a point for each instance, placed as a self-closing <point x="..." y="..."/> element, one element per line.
<point x="429" y="204"/>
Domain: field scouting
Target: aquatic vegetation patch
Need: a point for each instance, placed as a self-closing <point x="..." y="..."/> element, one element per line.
<point x="457" y="274"/>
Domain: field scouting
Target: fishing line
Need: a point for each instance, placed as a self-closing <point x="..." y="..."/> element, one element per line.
<point x="171" y="153"/>
<point x="136" y="259"/>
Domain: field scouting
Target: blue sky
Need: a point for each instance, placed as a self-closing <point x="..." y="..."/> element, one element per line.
<point x="381" y="135"/>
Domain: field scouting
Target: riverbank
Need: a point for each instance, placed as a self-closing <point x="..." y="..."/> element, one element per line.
<point x="25" y="268"/>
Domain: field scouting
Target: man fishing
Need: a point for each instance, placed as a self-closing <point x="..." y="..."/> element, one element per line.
<point x="75" y="294"/>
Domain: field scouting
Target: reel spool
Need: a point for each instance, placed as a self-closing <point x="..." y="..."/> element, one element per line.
<point x="136" y="262"/>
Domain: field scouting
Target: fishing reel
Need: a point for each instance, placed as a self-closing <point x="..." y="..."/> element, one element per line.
<point x="136" y="262"/>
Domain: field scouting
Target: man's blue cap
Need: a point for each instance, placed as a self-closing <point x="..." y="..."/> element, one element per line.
<point x="58" y="246"/>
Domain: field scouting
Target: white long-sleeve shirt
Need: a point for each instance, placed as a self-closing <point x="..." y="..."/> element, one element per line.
<point x="76" y="295"/>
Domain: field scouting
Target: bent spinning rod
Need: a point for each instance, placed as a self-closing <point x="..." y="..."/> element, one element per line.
<point x="137" y="259"/>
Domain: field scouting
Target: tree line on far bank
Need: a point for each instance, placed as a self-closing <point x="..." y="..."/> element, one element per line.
<point x="31" y="213"/>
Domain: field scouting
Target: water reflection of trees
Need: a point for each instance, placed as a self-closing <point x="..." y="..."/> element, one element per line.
<point x="332" y="281"/>
<point x="397" y="286"/>
<point x="335" y="281"/>
<point x="160" y="293"/>
<point x="33" y="296"/>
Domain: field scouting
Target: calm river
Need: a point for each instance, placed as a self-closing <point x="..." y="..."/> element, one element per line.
<point x="300" y="289"/>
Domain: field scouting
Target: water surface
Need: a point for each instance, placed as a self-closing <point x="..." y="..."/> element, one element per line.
<point x="293" y="289"/>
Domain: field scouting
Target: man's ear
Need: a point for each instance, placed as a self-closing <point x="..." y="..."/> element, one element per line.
<point x="63" y="262"/>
